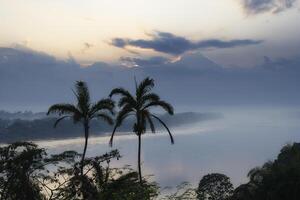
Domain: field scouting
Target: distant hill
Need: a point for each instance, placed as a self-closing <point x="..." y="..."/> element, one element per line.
<point x="26" y="115"/>
<point x="15" y="127"/>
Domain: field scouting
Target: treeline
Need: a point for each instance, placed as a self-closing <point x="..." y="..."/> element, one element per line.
<point x="12" y="130"/>
<point x="26" y="115"/>
<point x="28" y="172"/>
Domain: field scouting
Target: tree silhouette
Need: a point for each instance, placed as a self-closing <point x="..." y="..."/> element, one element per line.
<point x="214" y="187"/>
<point x="139" y="105"/>
<point x="21" y="164"/>
<point x="244" y="192"/>
<point x="84" y="112"/>
<point x="27" y="172"/>
<point x="99" y="180"/>
<point x="276" y="180"/>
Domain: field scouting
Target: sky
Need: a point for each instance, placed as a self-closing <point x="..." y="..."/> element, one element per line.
<point x="201" y="54"/>
<point x="86" y="30"/>
<point x="216" y="52"/>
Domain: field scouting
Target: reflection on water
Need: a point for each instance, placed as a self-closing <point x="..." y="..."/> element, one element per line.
<point x="243" y="139"/>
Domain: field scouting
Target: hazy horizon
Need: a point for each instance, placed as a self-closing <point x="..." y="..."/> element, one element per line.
<point x="232" y="64"/>
<point x="242" y="140"/>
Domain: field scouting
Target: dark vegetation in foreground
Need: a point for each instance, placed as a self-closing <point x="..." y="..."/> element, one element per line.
<point x="27" y="172"/>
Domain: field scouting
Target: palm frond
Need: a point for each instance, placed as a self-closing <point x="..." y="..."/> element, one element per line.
<point x="120" y="91"/>
<point x="149" y="98"/>
<point x="127" y="110"/>
<point x="58" y="120"/>
<point x="127" y="101"/>
<point x="83" y="96"/>
<point x="124" y="113"/>
<point x="103" y="104"/>
<point x="145" y="86"/>
<point x="62" y="109"/>
<point x="105" y="117"/>
<point x="151" y="124"/>
<point x="166" y="127"/>
<point x="166" y="106"/>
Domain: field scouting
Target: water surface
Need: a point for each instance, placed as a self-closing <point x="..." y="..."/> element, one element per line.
<point x="243" y="139"/>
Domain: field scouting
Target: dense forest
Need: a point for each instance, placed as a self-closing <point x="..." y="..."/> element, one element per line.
<point x="26" y="167"/>
<point x="22" y="126"/>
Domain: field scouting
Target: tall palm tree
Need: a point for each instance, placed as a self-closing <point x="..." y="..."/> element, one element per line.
<point x="139" y="105"/>
<point x="84" y="111"/>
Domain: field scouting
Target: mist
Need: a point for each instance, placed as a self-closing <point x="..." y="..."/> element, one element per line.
<point x="243" y="139"/>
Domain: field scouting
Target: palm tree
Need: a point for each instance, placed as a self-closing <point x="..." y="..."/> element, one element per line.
<point x="139" y="106"/>
<point x="84" y="111"/>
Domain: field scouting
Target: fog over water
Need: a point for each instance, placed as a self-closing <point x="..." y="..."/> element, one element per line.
<point x="244" y="138"/>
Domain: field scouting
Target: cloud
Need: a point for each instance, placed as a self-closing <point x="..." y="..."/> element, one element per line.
<point x="176" y="45"/>
<point x="21" y="54"/>
<point x="280" y="64"/>
<point x="29" y="78"/>
<point x="261" y="6"/>
<point x="153" y="61"/>
<point x="86" y="47"/>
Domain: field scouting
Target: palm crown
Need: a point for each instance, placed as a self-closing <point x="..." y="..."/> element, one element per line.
<point x="139" y="106"/>
<point x="84" y="111"/>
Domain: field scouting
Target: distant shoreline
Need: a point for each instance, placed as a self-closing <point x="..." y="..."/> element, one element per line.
<point x="41" y="129"/>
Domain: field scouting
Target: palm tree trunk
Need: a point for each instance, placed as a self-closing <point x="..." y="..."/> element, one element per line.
<point x="139" y="159"/>
<point x="86" y="135"/>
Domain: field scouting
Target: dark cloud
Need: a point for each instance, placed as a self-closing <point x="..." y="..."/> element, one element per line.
<point x="260" y="6"/>
<point x="280" y="64"/>
<point x="86" y="47"/>
<point x="225" y="44"/>
<point x="29" y="78"/>
<point x="119" y="42"/>
<point x="176" y="45"/>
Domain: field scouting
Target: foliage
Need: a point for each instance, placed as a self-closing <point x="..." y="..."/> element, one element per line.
<point x="20" y="166"/>
<point x="99" y="182"/>
<point x="84" y="111"/>
<point x="27" y="172"/>
<point x="139" y="105"/>
<point x="214" y="187"/>
<point x="277" y="180"/>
